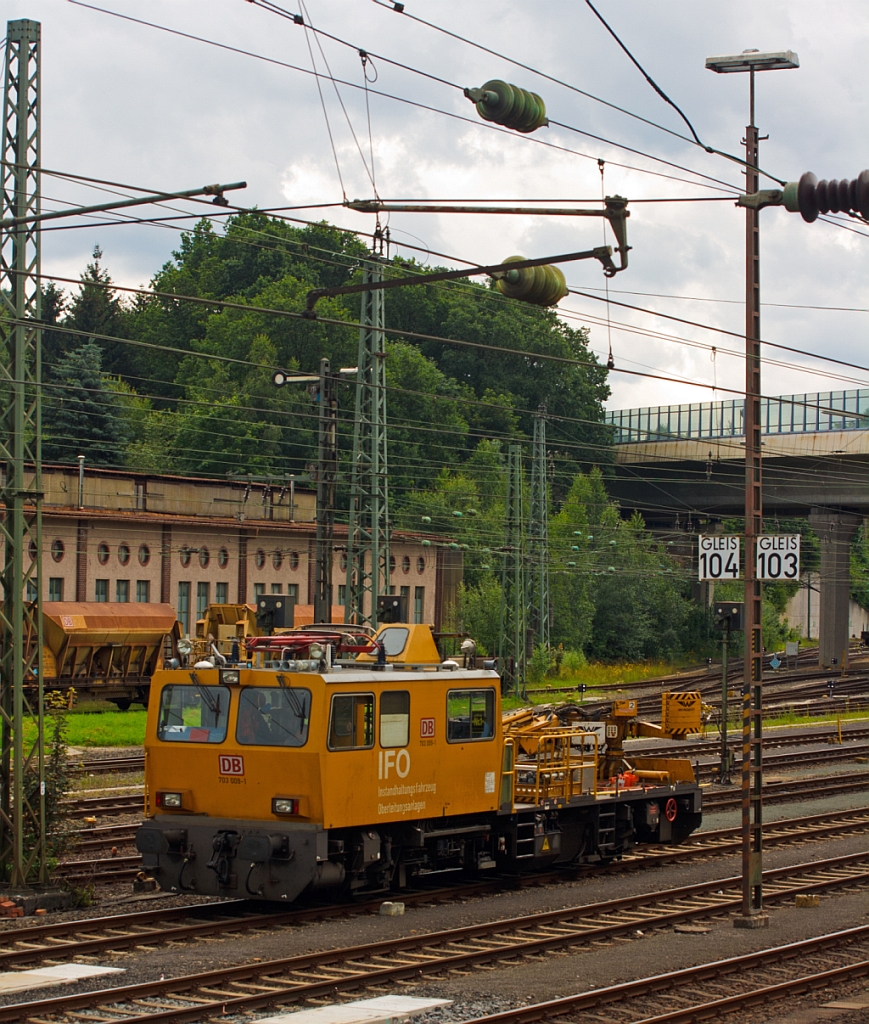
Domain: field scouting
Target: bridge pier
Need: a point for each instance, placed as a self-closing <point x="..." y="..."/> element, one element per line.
<point x="835" y="532"/>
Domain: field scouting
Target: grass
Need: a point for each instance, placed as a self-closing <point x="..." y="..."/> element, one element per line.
<point x="108" y="729"/>
<point x="600" y="674"/>
<point x="792" y="718"/>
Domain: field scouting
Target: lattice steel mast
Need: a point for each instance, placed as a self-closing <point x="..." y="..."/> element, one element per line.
<point x="538" y="603"/>
<point x="368" y="537"/>
<point x="327" y="474"/>
<point x="22" y="768"/>
<point x="512" y="640"/>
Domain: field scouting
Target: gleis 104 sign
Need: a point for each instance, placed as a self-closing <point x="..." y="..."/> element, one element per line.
<point x="717" y="557"/>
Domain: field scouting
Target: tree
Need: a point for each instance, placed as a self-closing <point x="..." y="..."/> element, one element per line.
<point x="97" y="309"/>
<point x="82" y="415"/>
<point x="54" y="343"/>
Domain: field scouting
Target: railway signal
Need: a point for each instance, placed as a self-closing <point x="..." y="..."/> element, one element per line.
<point x="727" y="616"/>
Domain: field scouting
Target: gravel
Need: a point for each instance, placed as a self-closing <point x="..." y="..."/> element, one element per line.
<point x="479" y="992"/>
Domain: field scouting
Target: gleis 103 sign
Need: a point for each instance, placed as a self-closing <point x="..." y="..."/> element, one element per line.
<point x="717" y="557"/>
<point x="778" y="556"/>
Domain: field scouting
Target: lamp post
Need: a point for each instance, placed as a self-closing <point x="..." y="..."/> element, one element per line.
<point x="753" y="915"/>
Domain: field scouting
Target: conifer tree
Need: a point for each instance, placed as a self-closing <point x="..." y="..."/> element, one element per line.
<point x="97" y="310"/>
<point x="81" y="414"/>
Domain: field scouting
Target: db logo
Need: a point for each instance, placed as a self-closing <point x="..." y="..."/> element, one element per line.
<point x="426" y="728"/>
<point x="231" y="764"/>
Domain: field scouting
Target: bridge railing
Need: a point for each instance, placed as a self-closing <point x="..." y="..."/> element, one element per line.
<point x="790" y="414"/>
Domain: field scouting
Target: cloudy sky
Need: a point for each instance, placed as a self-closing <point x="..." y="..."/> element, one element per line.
<point x="130" y="103"/>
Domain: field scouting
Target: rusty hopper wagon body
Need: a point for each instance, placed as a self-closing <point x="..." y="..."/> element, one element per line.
<point x="107" y="650"/>
<point x="342" y="761"/>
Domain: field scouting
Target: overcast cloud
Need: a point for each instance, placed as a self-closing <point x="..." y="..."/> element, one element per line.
<point x="129" y="103"/>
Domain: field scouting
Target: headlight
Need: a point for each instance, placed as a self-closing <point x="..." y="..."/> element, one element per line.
<point x="172" y="800"/>
<point x="285" y="805"/>
<point x="229" y="676"/>
<point x="184" y="646"/>
<point x="315" y="651"/>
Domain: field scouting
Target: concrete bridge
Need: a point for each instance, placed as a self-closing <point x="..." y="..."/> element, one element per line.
<point x="682" y="466"/>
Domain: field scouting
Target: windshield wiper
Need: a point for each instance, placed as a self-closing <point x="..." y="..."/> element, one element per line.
<point x="212" y="703"/>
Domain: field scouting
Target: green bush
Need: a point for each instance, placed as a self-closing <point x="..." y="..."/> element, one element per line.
<point x="572" y="662"/>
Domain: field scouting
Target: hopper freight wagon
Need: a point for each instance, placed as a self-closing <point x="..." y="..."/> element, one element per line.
<point x="106" y="650"/>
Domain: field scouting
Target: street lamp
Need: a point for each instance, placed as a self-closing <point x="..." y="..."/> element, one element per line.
<point x="752" y="706"/>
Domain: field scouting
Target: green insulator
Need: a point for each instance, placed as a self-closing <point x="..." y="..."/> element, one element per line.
<point x="454" y="546"/>
<point x="457" y="514"/>
<point x="511" y="106"/>
<point x="577" y="533"/>
<point x="541" y="286"/>
<point x="426" y="543"/>
<point x="485" y="551"/>
<point x="426" y="519"/>
<point x="571" y="565"/>
<point x="574" y="547"/>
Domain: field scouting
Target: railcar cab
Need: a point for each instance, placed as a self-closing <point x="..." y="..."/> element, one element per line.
<point x="312" y="764"/>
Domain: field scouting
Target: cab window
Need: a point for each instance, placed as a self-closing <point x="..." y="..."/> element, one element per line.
<point x="394" y="718"/>
<point x="470" y="715"/>
<point x="193" y="714"/>
<point x="351" y="724"/>
<point x="272" y="716"/>
<point x="394" y="639"/>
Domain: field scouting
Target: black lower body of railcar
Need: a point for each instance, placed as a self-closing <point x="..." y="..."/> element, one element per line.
<point x="281" y="860"/>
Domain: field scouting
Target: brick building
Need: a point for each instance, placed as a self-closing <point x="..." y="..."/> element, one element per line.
<point x="188" y="542"/>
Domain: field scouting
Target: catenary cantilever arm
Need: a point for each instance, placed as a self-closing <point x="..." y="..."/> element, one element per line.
<point x="603" y="253"/>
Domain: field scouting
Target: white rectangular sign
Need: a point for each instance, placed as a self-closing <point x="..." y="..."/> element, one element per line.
<point x="717" y="557"/>
<point x="778" y="556"/>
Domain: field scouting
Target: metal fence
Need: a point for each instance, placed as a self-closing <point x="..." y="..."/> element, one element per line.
<point x="790" y="414"/>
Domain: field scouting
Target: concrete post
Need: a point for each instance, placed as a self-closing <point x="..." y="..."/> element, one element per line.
<point x="835" y="532"/>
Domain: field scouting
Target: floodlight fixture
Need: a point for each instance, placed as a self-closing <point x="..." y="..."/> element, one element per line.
<point x="753" y="60"/>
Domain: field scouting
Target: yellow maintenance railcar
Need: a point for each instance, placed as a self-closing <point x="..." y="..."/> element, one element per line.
<point x="333" y="760"/>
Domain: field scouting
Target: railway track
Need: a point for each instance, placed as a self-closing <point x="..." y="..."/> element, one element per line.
<point x="709" y="843"/>
<point x="84" y="807"/>
<point x="851" y="733"/>
<point x="805" y="758"/>
<point x="249" y="987"/>
<point x="781" y="792"/>
<point x="807" y="666"/>
<point x="106" y="765"/>
<point x="782" y="972"/>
